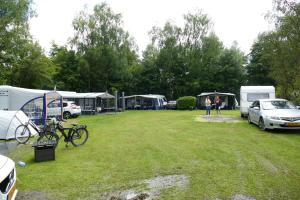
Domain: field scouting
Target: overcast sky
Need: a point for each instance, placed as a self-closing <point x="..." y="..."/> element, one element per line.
<point x="234" y="20"/>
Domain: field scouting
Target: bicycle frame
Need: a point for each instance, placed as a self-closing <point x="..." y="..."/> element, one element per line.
<point x="68" y="135"/>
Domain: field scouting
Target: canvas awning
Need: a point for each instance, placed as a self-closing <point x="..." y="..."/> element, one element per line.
<point x="150" y="96"/>
<point x="92" y="95"/>
<point x="215" y="93"/>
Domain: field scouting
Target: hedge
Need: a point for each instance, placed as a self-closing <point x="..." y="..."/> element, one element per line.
<point x="186" y="103"/>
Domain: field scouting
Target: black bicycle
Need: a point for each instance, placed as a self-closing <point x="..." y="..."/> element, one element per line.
<point x="77" y="134"/>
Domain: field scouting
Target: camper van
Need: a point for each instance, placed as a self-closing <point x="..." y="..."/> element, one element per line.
<point x="249" y="94"/>
<point x="8" y="190"/>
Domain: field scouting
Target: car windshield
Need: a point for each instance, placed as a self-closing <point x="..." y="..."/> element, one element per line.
<point x="272" y="105"/>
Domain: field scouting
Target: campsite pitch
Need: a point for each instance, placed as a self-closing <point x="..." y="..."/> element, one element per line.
<point x="167" y="155"/>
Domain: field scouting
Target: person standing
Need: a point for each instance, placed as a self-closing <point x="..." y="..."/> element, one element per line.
<point x="218" y="105"/>
<point x="207" y="105"/>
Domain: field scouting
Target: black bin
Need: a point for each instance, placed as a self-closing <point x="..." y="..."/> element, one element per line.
<point x="44" y="150"/>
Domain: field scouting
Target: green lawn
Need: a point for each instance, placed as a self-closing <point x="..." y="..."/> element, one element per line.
<point x="220" y="159"/>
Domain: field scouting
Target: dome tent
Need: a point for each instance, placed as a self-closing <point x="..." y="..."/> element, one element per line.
<point x="9" y="121"/>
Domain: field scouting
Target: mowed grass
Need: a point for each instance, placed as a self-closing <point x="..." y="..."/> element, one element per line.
<point x="220" y="159"/>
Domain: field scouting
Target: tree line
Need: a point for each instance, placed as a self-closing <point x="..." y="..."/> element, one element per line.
<point x="179" y="60"/>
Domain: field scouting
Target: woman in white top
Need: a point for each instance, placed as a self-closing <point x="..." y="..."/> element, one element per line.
<point x="207" y="105"/>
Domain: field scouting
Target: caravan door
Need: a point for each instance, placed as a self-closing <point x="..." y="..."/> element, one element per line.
<point x="4" y="99"/>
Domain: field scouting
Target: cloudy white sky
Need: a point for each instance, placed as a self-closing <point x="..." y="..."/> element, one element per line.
<point x="234" y="20"/>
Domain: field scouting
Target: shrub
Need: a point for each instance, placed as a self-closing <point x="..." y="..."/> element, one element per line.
<point x="186" y="103"/>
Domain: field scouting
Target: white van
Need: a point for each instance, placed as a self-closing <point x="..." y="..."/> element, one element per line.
<point x="249" y="94"/>
<point x="8" y="190"/>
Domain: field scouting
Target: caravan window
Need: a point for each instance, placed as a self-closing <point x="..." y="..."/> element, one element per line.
<point x="255" y="96"/>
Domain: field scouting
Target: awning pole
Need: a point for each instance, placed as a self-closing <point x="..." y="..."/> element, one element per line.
<point x="44" y="110"/>
<point x="123" y="101"/>
<point x="116" y="101"/>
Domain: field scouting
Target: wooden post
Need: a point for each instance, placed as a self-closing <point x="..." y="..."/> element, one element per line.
<point x="123" y="101"/>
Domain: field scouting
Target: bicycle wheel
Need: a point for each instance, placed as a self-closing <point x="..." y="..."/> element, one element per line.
<point x="22" y="134"/>
<point x="79" y="136"/>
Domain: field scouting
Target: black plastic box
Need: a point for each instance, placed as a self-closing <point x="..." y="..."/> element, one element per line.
<point x="44" y="151"/>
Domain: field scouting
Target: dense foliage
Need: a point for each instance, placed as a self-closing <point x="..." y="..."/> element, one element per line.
<point x="186" y="103"/>
<point x="275" y="55"/>
<point x="179" y="60"/>
<point x="22" y="61"/>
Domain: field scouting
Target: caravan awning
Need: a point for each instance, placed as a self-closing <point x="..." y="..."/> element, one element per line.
<point x="215" y="93"/>
<point x="150" y="96"/>
<point x="17" y="97"/>
<point x="92" y="95"/>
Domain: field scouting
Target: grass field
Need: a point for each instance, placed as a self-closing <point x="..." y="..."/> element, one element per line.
<point x="220" y="160"/>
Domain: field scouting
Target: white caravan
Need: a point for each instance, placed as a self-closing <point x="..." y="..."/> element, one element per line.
<point x="8" y="190"/>
<point x="249" y="94"/>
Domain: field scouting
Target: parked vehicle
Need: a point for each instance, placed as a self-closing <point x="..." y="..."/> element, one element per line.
<point x="171" y="105"/>
<point x="8" y="178"/>
<point x="70" y="109"/>
<point x="274" y="114"/>
<point x="249" y="94"/>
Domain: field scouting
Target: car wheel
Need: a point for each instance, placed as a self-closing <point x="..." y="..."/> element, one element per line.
<point x="249" y="120"/>
<point x="67" y="115"/>
<point x="261" y="124"/>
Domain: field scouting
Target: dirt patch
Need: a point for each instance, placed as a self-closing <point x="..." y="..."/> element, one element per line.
<point x="162" y="182"/>
<point x="217" y="118"/>
<point x="31" y="195"/>
<point x="126" y="195"/>
<point x="242" y="197"/>
<point x="267" y="164"/>
<point x="153" y="188"/>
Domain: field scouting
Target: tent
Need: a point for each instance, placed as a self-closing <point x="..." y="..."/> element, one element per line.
<point x="91" y="103"/>
<point x="145" y="102"/>
<point x="228" y="99"/>
<point x="32" y="102"/>
<point x="9" y="121"/>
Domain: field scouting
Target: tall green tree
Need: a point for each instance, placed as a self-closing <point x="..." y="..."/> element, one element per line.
<point x="259" y="68"/>
<point x="14" y="34"/>
<point x="33" y="70"/>
<point x="108" y="50"/>
<point x="278" y="51"/>
<point x="231" y="71"/>
<point x="68" y="75"/>
<point x="191" y="59"/>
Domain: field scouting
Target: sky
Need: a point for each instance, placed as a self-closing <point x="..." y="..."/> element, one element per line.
<point x="233" y="20"/>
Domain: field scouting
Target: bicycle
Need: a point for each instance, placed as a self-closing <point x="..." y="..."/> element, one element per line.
<point x="77" y="134"/>
<point x="23" y="133"/>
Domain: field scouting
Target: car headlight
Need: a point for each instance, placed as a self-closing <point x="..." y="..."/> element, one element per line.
<point x="274" y="117"/>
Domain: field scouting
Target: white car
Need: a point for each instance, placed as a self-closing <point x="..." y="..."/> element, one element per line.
<point x="70" y="109"/>
<point x="274" y="114"/>
<point x="8" y="178"/>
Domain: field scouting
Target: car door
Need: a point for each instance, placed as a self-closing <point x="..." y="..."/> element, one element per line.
<point x="256" y="111"/>
<point x="251" y="111"/>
